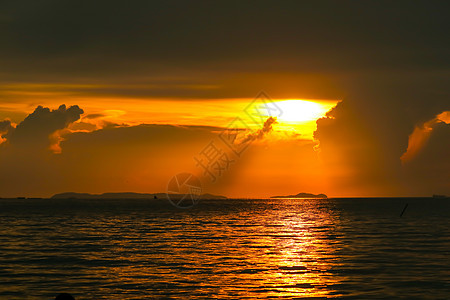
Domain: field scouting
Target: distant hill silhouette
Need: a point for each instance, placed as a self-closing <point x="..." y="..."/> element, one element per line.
<point x="129" y="195"/>
<point x="303" y="195"/>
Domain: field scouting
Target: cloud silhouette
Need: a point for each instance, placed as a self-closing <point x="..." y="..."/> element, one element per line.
<point x="362" y="140"/>
<point x="419" y="137"/>
<point x="5" y="127"/>
<point x="260" y="133"/>
<point x="38" y="127"/>
<point x="429" y="169"/>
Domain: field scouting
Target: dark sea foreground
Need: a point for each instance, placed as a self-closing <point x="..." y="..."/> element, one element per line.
<point x="276" y="248"/>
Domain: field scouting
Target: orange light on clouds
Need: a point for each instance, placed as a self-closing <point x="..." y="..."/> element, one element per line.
<point x="298" y="115"/>
<point x="419" y="137"/>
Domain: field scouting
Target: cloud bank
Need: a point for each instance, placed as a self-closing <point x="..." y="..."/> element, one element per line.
<point x="365" y="138"/>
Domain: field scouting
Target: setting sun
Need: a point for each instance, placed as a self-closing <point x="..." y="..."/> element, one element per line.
<point x="297" y="117"/>
<point x="301" y="110"/>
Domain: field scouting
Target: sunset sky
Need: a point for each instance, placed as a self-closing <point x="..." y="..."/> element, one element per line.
<point x="362" y="90"/>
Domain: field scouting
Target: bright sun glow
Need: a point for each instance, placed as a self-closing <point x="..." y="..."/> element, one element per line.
<point x="296" y="111"/>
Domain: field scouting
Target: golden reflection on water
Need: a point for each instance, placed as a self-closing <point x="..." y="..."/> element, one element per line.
<point x="275" y="249"/>
<point x="304" y="255"/>
<point x="282" y="252"/>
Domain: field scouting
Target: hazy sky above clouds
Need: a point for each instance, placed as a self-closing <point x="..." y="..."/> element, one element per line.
<point x="148" y="84"/>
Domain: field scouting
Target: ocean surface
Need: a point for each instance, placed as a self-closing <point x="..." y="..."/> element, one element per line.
<point x="227" y="249"/>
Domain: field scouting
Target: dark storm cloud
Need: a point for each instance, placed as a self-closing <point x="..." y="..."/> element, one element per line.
<point x="221" y="49"/>
<point x="39" y="125"/>
<point x="77" y="38"/>
<point x="367" y="133"/>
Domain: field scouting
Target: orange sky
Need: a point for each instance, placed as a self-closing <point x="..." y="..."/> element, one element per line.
<point x="262" y="166"/>
<point x="290" y="157"/>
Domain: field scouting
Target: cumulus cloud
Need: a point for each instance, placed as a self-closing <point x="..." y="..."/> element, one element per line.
<point x="362" y="140"/>
<point x="38" y="127"/>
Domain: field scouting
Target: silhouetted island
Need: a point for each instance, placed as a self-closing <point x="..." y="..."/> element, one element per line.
<point x="130" y="195"/>
<point x="303" y="195"/>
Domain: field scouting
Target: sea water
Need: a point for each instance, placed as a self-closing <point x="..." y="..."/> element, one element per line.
<point x="235" y="248"/>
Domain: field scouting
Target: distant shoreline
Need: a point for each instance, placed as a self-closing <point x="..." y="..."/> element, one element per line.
<point x="211" y="197"/>
<point x="128" y="195"/>
<point x="304" y="196"/>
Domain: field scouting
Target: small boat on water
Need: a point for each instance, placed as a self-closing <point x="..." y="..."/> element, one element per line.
<point x="439" y="196"/>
